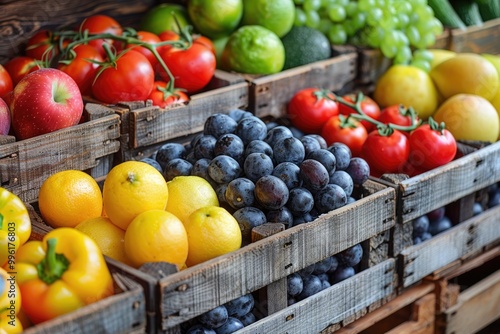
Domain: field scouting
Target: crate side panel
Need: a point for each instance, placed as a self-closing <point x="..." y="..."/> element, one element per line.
<point x="420" y="260"/>
<point x="332" y="305"/>
<point x="445" y="184"/>
<point x="201" y="288"/>
<point x="477" y="39"/>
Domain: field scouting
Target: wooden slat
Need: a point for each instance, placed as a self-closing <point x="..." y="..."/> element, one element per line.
<point x="477" y="39"/>
<point x="420" y="260"/>
<point x="332" y="305"/>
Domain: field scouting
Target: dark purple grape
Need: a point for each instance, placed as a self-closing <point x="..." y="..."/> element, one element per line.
<point x="300" y="201"/>
<point x="351" y="256"/>
<point x="312" y="285"/>
<point x="240" y="193"/>
<point x="204" y="147"/>
<point x="325" y="284"/>
<point x="342" y="154"/>
<point x="251" y="128"/>
<point x="294" y="284"/>
<point x="342" y="273"/>
<point x="436" y="214"/>
<point x="288" y="149"/>
<point x="238" y="114"/>
<point x="271" y="192"/>
<point x="190" y="157"/>
<point x="257" y="165"/>
<point x="258" y="146"/>
<point x="282" y="215"/>
<point x="494" y="199"/>
<point x="334" y="264"/>
<point x="310" y="143"/>
<point x="420" y="225"/>
<point x="320" y="139"/>
<point x="296" y="132"/>
<point x="177" y="167"/>
<point x="240" y="306"/>
<point x="219" y="124"/>
<point x="231" y="145"/>
<point x="326" y="158"/>
<point x="307" y="271"/>
<point x="271" y="125"/>
<point x="247" y="319"/>
<point x="439" y="226"/>
<point x="350" y="200"/>
<point x="276" y="133"/>
<point x="323" y="266"/>
<point x="313" y="174"/>
<point x="154" y="163"/>
<point x="220" y="190"/>
<point x="232" y="325"/>
<point x="323" y="276"/>
<point x="170" y="151"/>
<point x="248" y="218"/>
<point x="289" y="173"/>
<point x="290" y="301"/>
<point x="426" y="236"/>
<point x="477" y="209"/>
<point x="214" y="318"/>
<point x="200" y="168"/>
<point x="359" y="170"/>
<point x="223" y="169"/>
<point x="303" y="219"/>
<point x="329" y="198"/>
<point x="343" y="180"/>
<point x="200" y="329"/>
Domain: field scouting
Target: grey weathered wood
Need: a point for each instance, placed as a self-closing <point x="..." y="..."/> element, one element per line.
<point x="332" y="305"/>
<point x="420" y="260"/>
<point x="477" y="39"/>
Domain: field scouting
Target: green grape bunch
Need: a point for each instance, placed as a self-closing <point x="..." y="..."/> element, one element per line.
<point x="401" y="29"/>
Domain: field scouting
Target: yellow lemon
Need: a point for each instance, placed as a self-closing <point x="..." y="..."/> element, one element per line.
<point x="156" y="235"/>
<point x="189" y="193"/>
<point x="212" y="231"/>
<point x="69" y="197"/>
<point x="131" y="188"/>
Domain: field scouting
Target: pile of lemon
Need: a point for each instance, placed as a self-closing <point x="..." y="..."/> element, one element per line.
<point x="139" y="217"/>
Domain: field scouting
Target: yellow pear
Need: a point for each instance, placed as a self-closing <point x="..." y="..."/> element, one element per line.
<point x="466" y="73"/>
<point x="440" y="55"/>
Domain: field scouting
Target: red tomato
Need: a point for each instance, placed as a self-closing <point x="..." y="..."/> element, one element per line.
<point x="397" y="114"/>
<point x="310" y="108"/>
<point x="368" y="106"/>
<point x="350" y="132"/>
<point x="386" y="154"/>
<point x="42" y="46"/>
<point x="99" y="24"/>
<point x="192" y="68"/>
<point x="19" y="66"/>
<point x="205" y="41"/>
<point x="162" y="98"/>
<point x="81" y="68"/>
<point x="131" y="79"/>
<point x="6" y="84"/>
<point x="144" y="36"/>
<point x="431" y="147"/>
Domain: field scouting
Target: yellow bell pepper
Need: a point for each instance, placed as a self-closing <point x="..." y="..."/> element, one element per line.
<point x="60" y="274"/>
<point x="10" y="304"/>
<point x="15" y="225"/>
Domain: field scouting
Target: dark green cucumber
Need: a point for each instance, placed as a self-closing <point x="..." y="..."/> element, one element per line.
<point x="445" y="13"/>
<point x="468" y="12"/>
<point x="489" y="9"/>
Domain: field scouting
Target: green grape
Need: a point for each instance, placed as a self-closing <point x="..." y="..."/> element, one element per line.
<point x="417" y="3"/>
<point x="298" y="2"/>
<point x="300" y="18"/>
<point x="422" y="54"/>
<point x="413" y="35"/>
<point x="351" y="9"/>
<point x="359" y="20"/>
<point x="337" y="34"/>
<point x="436" y="26"/>
<point x="424" y="12"/>
<point x="366" y="5"/>
<point x="403" y="7"/>
<point x="403" y="20"/>
<point x="337" y="13"/>
<point x="312" y="19"/>
<point x="429" y="40"/>
<point x="324" y="25"/>
<point x="374" y="16"/>
<point x="422" y="64"/>
<point x="403" y="55"/>
<point x="349" y="28"/>
<point x="374" y="37"/>
<point x="311" y="5"/>
<point x="388" y="50"/>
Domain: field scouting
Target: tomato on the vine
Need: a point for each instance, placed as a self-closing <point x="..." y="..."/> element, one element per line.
<point x="345" y="130"/>
<point x="368" y="106"/>
<point x="431" y="146"/>
<point x="101" y="24"/>
<point x="20" y="66"/>
<point x="143" y="36"/>
<point x="310" y="108"/>
<point x="386" y="153"/>
<point x="42" y="46"/>
<point x="399" y="115"/>
<point x="129" y="77"/>
<point x="6" y="84"/>
<point x="162" y="98"/>
<point x="82" y="68"/>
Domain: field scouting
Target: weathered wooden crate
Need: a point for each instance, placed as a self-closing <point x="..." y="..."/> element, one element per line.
<point x="477" y="39"/>
<point x="412" y="312"/>
<point x="269" y="94"/>
<point x="22" y="19"/>
<point x="88" y="146"/>
<point x="455" y="183"/>
<point x="468" y="294"/>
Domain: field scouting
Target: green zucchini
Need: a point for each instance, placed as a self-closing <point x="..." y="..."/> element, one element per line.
<point x="445" y="13"/>
<point x="489" y="9"/>
<point x="468" y="11"/>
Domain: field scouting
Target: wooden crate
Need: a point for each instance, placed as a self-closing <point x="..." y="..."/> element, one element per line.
<point x="269" y="94"/>
<point x="412" y="312"/>
<point x="468" y="294"/>
<point x="22" y="19"/>
<point x="477" y="39"/>
<point x="89" y="147"/>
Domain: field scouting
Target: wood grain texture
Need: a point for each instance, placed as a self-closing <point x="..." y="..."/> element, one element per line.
<point x="477" y="39"/>
<point x="420" y="260"/>
<point x="21" y="19"/>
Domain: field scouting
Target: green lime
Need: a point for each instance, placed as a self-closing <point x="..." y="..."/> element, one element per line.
<point x="277" y="15"/>
<point x="215" y="18"/>
<point x="304" y="45"/>
<point x="161" y="18"/>
<point x="253" y="49"/>
<point x="219" y="44"/>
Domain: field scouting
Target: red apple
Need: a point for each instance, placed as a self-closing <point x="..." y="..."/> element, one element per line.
<point x="44" y="101"/>
<point x="4" y="118"/>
